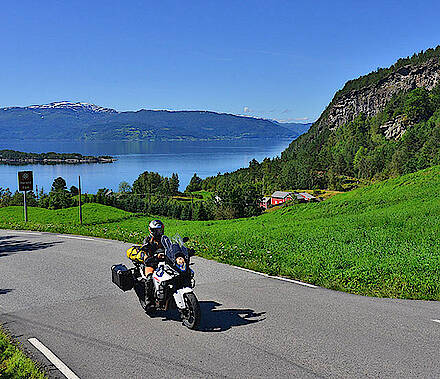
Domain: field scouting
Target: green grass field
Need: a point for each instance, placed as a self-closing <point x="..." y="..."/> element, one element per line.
<point x="381" y="240"/>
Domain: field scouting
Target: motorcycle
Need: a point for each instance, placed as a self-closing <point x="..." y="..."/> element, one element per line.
<point x="173" y="282"/>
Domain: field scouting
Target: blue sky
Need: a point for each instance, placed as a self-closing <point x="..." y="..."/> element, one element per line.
<point x="274" y="59"/>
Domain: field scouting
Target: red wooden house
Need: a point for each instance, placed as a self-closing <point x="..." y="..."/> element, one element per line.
<point x="279" y="197"/>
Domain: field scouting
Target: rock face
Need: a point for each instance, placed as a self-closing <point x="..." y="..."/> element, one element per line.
<point x="394" y="129"/>
<point x="372" y="99"/>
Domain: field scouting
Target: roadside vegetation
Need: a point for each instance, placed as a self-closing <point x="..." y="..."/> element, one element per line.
<point x="153" y="194"/>
<point x="13" y="363"/>
<point x="379" y="240"/>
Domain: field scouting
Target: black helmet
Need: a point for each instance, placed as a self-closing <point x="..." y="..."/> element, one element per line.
<point x="156" y="229"/>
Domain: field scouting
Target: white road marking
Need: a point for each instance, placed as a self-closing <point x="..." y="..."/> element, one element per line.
<point x="253" y="272"/>
<point x="77" y="238"/>
<point x="36" y="233"/>
<point x="436" y="321"/>
<point x="293" y="281"/>
<point x="66" y="371"/>
<point x="277" y="277"/>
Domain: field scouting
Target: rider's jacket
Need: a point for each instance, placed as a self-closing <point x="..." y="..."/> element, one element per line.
<point x="147" y="253"/>
<point x="152" y="248"/>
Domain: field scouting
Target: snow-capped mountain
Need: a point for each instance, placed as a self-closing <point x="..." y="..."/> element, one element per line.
<point x="73" y="106"/>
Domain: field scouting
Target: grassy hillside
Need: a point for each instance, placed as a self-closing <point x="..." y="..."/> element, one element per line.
<point x="380" y="240"/>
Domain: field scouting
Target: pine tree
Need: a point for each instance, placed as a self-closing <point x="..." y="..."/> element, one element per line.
<point x="174" y="184"/>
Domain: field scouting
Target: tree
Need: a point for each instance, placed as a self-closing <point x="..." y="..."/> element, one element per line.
<point x="418" y="106"/>
<point x="105" y="196"/>
<point x="195" y="184"/>
<point x="60" y="199"/>
<point x="334" y="181"/>
<point x="124" y="187"/>
<point x="148" y="183"/>
<point x="435" y="97"/>
<point x="176" y="211"/>
<point x="74" y="191"/>
<point x="200" y="212"/>
<point x="5" y="197"/>
<point x="186" y="212"/>
<point x="59" y="184"/>
<point x="165" y="188"/>
<point x="43" y="200"/>
<point x="238" y="200"/>
<point x="17" y="199"/>
<point x="360" y="162"/>
<point x="174" y="184"/>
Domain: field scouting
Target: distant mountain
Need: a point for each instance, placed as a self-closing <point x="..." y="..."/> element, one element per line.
<point x="296" y="127"/>
<point x="78" y="107"/>
<point x="88" y="122"/>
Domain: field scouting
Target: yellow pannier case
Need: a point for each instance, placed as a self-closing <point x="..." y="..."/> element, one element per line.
<point x="136" y="254"/>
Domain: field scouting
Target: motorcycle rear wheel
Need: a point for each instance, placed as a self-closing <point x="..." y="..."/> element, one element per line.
<point x="191" y="315"/>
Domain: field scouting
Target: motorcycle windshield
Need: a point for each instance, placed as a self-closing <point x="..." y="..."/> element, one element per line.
<point x="174" y="247"/>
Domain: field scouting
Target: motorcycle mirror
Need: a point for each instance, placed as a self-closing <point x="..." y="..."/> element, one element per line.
<point x="185" y="239"/>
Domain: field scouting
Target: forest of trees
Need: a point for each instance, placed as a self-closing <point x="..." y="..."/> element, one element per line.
<point x="153" y="194"/>
<point x="58" y="197"/>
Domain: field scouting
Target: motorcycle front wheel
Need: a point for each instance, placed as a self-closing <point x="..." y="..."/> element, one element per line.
<point x="191" y="315"/>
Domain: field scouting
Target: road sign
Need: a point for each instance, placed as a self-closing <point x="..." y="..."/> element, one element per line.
<point x="25" y="181"/>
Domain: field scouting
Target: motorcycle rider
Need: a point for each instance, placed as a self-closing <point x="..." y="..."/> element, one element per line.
<point x="154" y="252"/>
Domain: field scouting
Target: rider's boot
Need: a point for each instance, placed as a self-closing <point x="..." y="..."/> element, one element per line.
<point x="149" y="300"/>
<point x="139" y="288"/>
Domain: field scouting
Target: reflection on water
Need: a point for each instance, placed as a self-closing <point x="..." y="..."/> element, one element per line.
<point x="184" y="158"/>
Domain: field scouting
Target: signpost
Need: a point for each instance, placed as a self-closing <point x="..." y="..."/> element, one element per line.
<point x="79" y="200"/>
<point x="25" y="183"/>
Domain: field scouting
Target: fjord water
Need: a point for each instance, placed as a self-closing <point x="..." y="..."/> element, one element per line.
<point x="184" y="158"/>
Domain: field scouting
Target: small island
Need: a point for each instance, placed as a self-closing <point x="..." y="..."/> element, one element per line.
<point x="13" y="157"/>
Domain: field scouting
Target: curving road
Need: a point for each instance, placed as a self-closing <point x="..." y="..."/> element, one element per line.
<point x="58" y="289"/>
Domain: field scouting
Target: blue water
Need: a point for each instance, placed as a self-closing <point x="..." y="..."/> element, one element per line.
<point x="133" y="158"/>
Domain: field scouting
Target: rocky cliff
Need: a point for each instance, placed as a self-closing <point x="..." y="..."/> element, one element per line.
<point x="373" y="98"/>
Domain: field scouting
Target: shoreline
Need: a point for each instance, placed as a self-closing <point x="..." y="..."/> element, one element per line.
<point x="49" y="161"/>
<point x="15" y="157"/>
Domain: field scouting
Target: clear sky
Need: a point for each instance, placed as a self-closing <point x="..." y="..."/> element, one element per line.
<point x="274" y="59"/>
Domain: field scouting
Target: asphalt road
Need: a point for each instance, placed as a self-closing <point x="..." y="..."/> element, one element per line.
<point x="58" y="289"/>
